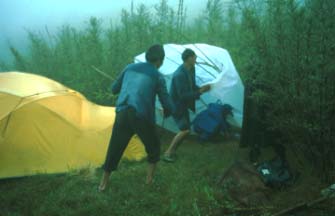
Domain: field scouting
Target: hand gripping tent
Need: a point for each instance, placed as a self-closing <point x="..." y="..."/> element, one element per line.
<point x="46" y="127"/>
<point x="214" y="66"/>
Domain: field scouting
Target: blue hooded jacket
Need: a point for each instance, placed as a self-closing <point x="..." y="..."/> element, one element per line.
<point x="138" y="86"/>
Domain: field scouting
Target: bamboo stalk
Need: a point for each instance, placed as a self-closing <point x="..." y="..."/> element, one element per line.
<point x="102" y="73"/>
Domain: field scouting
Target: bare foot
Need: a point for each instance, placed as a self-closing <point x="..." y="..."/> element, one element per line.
<point x="104" y="181"/>
<point x="150" y="174"/>
<point x="149" y="181"/>
<point x="102" y="187"/>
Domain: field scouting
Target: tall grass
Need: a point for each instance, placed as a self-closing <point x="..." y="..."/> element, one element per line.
<point x="285" y="46"/>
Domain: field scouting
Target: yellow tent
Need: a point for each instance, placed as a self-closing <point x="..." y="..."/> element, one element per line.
<point x="46" y="127"/>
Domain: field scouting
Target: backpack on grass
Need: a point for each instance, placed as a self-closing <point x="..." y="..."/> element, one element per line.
<point x="210" y="122"/>
<point x="275" y="173"/>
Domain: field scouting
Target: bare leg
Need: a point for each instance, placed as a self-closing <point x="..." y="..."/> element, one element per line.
<point x="176" y="142"/>
<point x="104" y="181"/>
<point x="151" y="172"/>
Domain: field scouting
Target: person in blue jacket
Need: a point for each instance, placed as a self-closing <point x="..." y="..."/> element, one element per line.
<point x="184" y="92"/>
<point x="137" y="87"/>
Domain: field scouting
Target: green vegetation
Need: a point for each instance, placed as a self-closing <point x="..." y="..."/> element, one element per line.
<point x="184" y="188"/>
<point x="286" y="47"/>
<point x="187" y="187"/>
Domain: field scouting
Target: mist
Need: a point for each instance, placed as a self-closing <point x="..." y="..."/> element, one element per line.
<point x="20" y="16"/>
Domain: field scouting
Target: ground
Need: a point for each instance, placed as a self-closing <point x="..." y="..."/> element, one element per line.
<point x="187" y="187"/>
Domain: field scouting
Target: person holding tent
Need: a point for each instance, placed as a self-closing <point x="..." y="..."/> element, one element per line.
<point x="184" y="92"/>
<point x="137" y="87"/>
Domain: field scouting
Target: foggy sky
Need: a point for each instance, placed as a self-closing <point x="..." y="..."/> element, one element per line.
<point x="18" y="16"/>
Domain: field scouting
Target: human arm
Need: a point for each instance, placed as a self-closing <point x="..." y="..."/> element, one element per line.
<point x="164" y="97"/>
<point x="204" y="88"/>
<point x="117" y="84"/>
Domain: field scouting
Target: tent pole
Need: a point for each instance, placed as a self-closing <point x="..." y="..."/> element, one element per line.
<point x="102" y="73"/>
<point x="199" y="64"/>
<point x="217" y="68"/>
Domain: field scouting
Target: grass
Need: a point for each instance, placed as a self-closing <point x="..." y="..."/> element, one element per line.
<point x="187" y="187"/>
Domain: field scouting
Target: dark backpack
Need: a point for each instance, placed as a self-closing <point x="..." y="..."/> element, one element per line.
<point x="210" y="122"/>
<point x="275" y="173"/>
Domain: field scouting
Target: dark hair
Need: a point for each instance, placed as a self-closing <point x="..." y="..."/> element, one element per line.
<point x="187" y="54"/>
<point x="155" y="53"/>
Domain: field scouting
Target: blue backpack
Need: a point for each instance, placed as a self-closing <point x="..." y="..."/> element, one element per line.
<point x="210" y="122"/>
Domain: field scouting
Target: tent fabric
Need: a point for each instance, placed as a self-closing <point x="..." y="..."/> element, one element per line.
<point x="214" y="67"/>
<point x="46" y="127"/>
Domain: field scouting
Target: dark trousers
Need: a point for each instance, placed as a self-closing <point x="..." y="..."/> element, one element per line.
<point x="126" y="125"/>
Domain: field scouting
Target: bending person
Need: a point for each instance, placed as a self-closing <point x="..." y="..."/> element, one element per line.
<point x="137" y="87"/>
